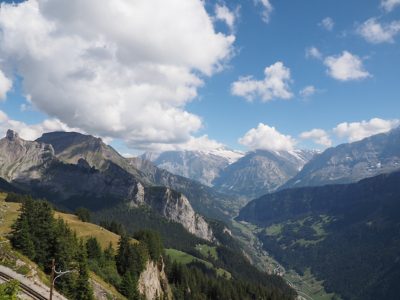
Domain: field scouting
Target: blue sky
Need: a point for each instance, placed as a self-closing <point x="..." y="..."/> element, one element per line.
<point x="372" y="95"/>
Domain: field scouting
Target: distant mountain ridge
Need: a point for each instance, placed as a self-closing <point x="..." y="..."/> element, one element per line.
<point x="202" y="166"/>
<point x="249" y="175"/>
<point x="351" y="162"/>
<point x="261" y="171"/>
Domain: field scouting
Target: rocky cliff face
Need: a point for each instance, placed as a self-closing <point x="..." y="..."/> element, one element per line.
<point x="175" y="206"/>
<point x="352" y="162"/>
<point x="261" y="171"/>
<point x="153" y="283"/>
<point x="21" y="159"/>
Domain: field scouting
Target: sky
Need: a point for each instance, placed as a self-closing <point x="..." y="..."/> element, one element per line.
<point x="154" y="75"/>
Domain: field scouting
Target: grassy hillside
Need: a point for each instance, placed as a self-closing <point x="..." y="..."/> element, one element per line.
<point x="9" y="212"/>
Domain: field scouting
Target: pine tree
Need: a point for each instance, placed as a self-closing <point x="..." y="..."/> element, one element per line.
<point x="129" y="287"/>
<point x="109" y="253"/>
<point x="123" y="256"/>
<point x="93" y="249"/>
<point x="22" y="239"/>
<point x="83" y="289"/>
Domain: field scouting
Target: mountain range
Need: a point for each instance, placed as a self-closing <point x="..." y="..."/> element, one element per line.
<point x="230" y="172"/>
<point x="352" y="161"/>
<point x="260" y="172"/>
<point x="309" y="205"/>
<point x="74" y="170"/>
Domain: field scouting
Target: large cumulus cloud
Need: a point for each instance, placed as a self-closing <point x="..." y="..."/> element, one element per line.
<point x="121" y="69"/>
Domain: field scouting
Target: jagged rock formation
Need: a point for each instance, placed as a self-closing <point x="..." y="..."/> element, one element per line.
<point x="153" y="283"/>
<point x="261" y="171"/>
<point x="351" y="162"/>
<point x="33" y="166"/>
<point x="175" y="206"/>
<point x="21" y="159"/>
<point x="69" y="147"/>
<point x="202" y="166"/>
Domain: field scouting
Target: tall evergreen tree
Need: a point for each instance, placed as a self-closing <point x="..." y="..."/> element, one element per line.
<point x="93" y="249"/>
<point x="129" y="287"/>
<point x="83" y="289"/>
<point x="22" y="239"/>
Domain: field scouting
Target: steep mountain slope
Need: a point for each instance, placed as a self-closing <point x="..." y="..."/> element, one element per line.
<point x="202" y="166"/>
<point x="152" y="279"/>
<point x="349" y="235"/>
<point x="70" y="147"/>
<point x="351" y="162"/>
<point x="35" y="168"/>
<point x="261" y="171"/>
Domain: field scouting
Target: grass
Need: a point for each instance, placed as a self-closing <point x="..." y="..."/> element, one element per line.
<point x="185" y="258"/>
<point x="9" y="212"/>
<point x="207" y="251"/>
<point x="275" y="229"/>
<point x="85" y="230"/>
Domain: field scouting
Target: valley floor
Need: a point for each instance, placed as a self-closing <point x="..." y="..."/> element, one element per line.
<point x="307" y="286"/>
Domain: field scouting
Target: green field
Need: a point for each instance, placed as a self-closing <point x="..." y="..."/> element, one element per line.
<point x="207" y="251"/>
<point x="185" y="258"/>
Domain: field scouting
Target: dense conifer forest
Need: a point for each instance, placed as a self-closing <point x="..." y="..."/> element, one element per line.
<point x="41" y="237"/>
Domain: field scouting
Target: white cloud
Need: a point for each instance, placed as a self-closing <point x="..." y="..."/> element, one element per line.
<point x="31" y="131"/>
<point x="223" y="13"/>
<point x="265" y="137"/>
<point x="202" y="143"/>
<point x="5" y="85"/>
<point x="327" y="23"/>
<point x="313" y="52"/>
<point x="318" y="136"/>
<point x="114" y="68"/>
<point x="275" y="84"/>
<point x="389" y="5"/>
<point x="358" y="130"/>
<point x="376" y="33"/>
<point x="266" y="10"/>
<point x="346" y="67"/>
<point x="308" y="91"/>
